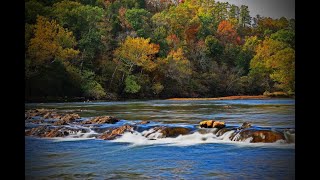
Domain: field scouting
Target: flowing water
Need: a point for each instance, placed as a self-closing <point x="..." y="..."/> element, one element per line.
<point x="192" y="156"/>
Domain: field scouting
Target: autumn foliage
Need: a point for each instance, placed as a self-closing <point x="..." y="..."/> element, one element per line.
<point x="117" y="49"/>
<point x="227" y="33"/>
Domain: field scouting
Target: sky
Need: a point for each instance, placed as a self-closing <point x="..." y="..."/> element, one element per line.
<point x="267" y="8"/>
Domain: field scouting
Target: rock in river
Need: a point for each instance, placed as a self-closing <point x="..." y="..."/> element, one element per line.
<point x="64" y="120"/>
<point x="110" y="135"/>
<point x="167" y="132"/>
<point x="264" y="136"/>
<point x="212" y="124"/>
<point x="45" y="131"/>
<point x="101" y="120"/>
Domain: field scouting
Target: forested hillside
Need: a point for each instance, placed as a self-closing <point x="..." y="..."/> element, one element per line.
<point x="117" y="49"/>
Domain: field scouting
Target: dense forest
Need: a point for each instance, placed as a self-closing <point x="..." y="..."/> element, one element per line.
<point x="117" y="49"/>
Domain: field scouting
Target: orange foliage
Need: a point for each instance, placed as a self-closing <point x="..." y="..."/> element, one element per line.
<point x="227" y="33"/>
<point x="173" y="40"/>
<point x="191" y="32"/>
<point x="123" y="22"/>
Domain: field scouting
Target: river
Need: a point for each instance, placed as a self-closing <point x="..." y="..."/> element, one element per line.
<point x="185" y="157"/>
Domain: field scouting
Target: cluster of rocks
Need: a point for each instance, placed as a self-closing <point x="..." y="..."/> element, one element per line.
<point x="243" y="133"/>
<point x="59" y="119"/>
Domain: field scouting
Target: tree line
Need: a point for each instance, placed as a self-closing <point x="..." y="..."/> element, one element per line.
<point x="116" y="49"/>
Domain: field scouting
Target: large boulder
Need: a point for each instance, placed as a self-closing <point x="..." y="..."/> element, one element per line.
<point x="112" y="134"/>
<point x="264" y="136"/>
<point x="174" y="131"/>
<point x="163" y="132"/>
<point x="212" y="124"/>
<point x="101" y="120"/>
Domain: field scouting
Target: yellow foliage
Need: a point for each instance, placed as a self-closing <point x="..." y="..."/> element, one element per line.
<point x="50" y="42"/>
<point x="137" y="51"/>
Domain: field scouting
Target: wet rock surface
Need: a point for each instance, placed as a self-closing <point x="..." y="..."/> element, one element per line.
<point x="38" y="115"/>
<point x="102" y="120"/>
<point x="48" y="123"/>
<point x="112" y="134"/>
<point x="212" y="124"/>
<point x="167" y="132"/>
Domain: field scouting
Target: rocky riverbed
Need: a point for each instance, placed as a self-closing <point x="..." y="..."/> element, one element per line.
<point x="49" y="123"/>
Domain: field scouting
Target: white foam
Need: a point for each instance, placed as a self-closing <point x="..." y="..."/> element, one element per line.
<point x="139" y="139"/>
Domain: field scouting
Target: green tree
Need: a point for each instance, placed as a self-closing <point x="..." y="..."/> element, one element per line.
<point x="286" y="36"/>
<point x="277" y="60"/>
<point x="131" y="85"/>
<point x="90" y="87"/>
<point x="33" y="9"/>
<point x="139" y="19"/>
<point x="214" y="47"/>
<point x="175" y="66"/>
<point x="245" y="18"/>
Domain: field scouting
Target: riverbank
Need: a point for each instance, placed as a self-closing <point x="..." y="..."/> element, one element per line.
<point x="221" y="98"/>
<point x="84" y="99"/>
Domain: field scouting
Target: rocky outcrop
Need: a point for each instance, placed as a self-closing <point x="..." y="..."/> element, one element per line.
<point x="114" y="133"/>
<point x="167" y="132"/>
<point x="66" y="119"/>
<point x="174" y="131"/>
<point x="261" y="136"/>
<point x="57" y="132"/>
<point x="37" y="131"/>
<point x="102" y="120"/>
<point x="37" y="112"/>
<point x="63" y="119"/>
<point x="45" y="131"/>
<point x="50" y="131"/>
<point x="212" y="124"/>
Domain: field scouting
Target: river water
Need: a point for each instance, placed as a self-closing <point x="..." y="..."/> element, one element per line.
<point x="185" y="157"/>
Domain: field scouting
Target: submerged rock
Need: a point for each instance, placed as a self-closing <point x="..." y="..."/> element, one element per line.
<point x="144" y="122"/>
<point x="227" y="107"/>
<point x="101" y="120"/>
<point x="110" y="135"/>
<point x="212" y="124"/>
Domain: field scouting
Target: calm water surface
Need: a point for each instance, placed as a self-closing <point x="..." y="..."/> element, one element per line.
<point x="99" y="159"/>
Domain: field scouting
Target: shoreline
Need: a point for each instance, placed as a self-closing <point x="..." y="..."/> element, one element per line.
<point x="222" y="98"/>
<point x="82" y="99"/>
